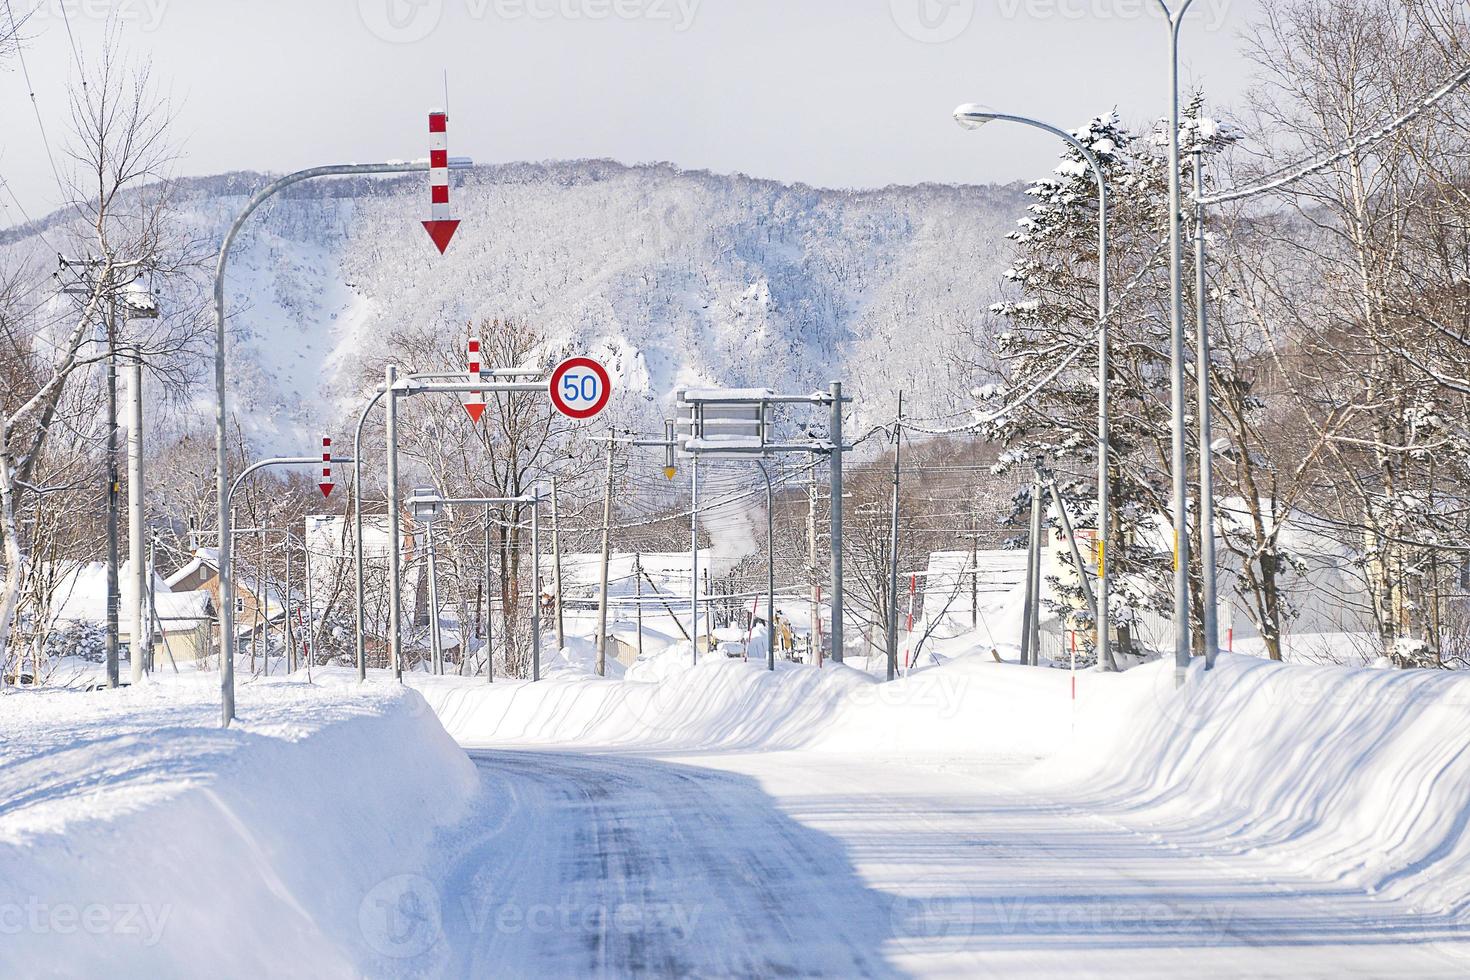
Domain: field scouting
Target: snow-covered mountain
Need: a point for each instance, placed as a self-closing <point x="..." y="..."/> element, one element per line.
<point x="675" y="277"/>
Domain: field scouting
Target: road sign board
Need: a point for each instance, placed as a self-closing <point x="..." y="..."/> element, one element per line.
<point x="580" y="388"/>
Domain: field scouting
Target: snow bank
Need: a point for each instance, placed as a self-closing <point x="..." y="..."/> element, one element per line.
<point x="663" y="704"/>
<point x="138" y="839"/>
<point x="1359" y="776"/>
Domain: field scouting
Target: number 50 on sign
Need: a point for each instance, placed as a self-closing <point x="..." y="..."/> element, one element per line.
<point x="580" y="388"/>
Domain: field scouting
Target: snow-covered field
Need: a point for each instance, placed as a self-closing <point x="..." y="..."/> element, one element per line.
<point x="722" y="820"/>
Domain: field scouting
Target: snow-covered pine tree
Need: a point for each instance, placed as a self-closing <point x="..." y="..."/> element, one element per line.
<point x="1055" y="322"/>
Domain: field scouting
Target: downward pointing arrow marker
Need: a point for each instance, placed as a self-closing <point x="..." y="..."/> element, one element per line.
<point x="442" y="232"/>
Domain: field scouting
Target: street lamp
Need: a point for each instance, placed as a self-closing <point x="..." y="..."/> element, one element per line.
<point x="972" y="117"/>
<point x="221" y="389"/>
<point x="1176" y="358"/>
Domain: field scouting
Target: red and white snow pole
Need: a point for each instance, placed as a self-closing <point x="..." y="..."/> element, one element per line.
<point x="327" y="483"/>
<point x="440" y="226"/>
<point x="474" y="401"/>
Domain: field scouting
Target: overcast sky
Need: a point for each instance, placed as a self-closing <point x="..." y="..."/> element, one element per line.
<point x="837" y="93"/>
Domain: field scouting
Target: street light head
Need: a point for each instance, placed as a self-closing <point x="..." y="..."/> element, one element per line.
<point x="972" y="115"/>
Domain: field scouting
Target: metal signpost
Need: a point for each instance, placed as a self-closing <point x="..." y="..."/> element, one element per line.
<point x="739" y="423"/>
<point x="579" y="388"/>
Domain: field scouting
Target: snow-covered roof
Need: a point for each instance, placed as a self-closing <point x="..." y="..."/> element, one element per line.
<point x="200" y="561"/>
<point x="81" y="592"/>
<point x="175" y="609"/>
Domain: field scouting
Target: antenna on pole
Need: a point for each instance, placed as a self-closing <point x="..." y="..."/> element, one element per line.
<point x="446" y="90"/>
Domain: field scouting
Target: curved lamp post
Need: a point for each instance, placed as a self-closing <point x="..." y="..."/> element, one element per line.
<point x="1176" y="357"/>
<point x="974" y="116"/>
<point x="221" y="390"/>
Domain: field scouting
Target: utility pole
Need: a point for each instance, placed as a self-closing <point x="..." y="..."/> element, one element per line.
<point x="815" y="632"/>
<point x="489" y="609"/>
<point x="142" y="630"/>
<point x="113" y="596"/>
<point x="974" y="537"/>
<point x="153" y="621"/>
<point x="836" y="518"/>
<point x="893" y="546"/>
<point x="606" y="554"/>
<point x="436" y="648"/>
<point x="694" y="555"/>
<point x="561" y="628"/>
<point x="709" y="625"/>
<point x="309" y="631"/>
<point x="638" y="584"/>
<point x="536" y="588"/>
<point x="1033" y="559"/>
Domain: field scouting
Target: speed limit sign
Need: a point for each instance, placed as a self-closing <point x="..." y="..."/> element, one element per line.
<point x="580" y="388"/>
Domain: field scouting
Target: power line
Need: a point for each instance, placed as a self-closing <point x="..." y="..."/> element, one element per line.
<point x="35" y="106"/>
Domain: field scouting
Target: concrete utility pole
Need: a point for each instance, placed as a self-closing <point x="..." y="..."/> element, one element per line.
<point x="893" y="546"/>
<point x="836" y="518"/>
<point x="142" y="630"/>
<point x="606" y="555"/>
<point x="561" y="628"/>
<point x="114" y="598"/>
<point x="1030" y="621"/>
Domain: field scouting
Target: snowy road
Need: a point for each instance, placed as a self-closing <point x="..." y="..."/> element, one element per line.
<point x="795" y="864"/>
